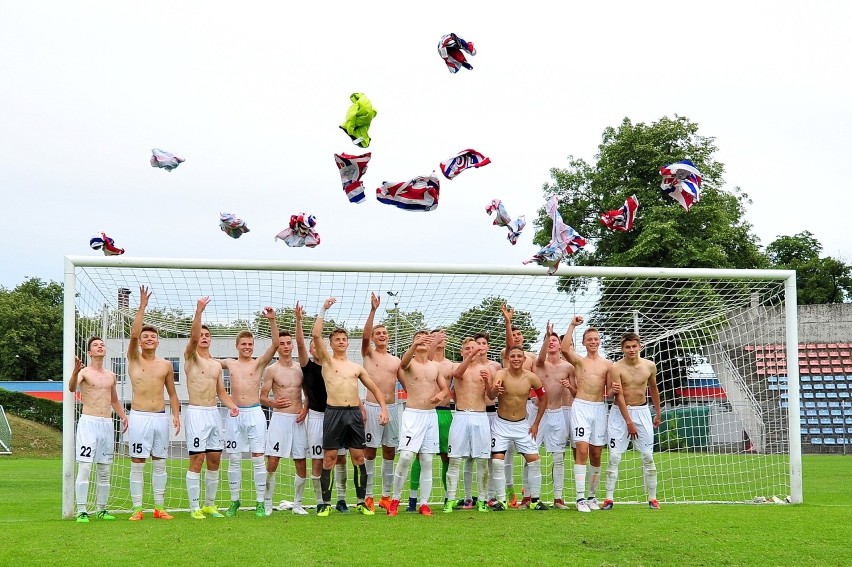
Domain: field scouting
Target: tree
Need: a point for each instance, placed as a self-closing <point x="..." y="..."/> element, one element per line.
<point x="712" y="234"/>
<point x="818" y="280"/>
<point x="401" y="327"/>
<point x="488" y="317"/>
<point x="31" y="331"/>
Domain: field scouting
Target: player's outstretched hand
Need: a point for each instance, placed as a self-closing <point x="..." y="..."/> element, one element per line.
<point x="144" y="295"/>
<point x="269" y="312"/>
<point x="577" y="320"/>
<point x="298" y="312"/>
<point x="375" y="301"/>
<point x="78" y="365"/>
<point x="202" y="303"/>
<point x="507" y="313"/>
<point x="329" y="302"/>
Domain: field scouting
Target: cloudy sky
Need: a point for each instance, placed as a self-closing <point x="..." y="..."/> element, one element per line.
<point x="251" y="95"/>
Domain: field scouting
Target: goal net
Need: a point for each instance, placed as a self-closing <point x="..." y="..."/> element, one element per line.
<point x="724" y="437"/>
<point x="5" y="434"/>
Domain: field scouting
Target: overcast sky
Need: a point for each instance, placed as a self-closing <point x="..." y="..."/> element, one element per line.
<point x="251" y="95"/>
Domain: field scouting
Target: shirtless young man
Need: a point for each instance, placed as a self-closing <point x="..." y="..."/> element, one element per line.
<point x="588" y="413"/>
<point x="247" y="431"/>
<point x="287" y="436"/>
<point x="512" y="386"/>
<point x="445" y="417"/>
<point x="515" y="337"/>
<point x="632" y="378"/>
<point x="315" y="401"/>
<point x="426" y="388"/>
<point x="343" y="425"/>
<point x="553" y="371"/>
<point x="203" y="422"/>
<point x="470" y="431"/>
<point x="383" y="368"/>
<point x="95" y="433"/>
<point x="148" y="431"/>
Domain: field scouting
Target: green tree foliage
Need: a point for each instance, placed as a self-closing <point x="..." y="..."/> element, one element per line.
<point x="31" y="331"/>
<point x="488" y="317"/>
<point x="713" y="234"/>
<point x="818" y="280"/>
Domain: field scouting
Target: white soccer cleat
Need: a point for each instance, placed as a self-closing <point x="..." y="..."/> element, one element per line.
<point x="267" y="509"/>
<point x="299" y="511"/>
<point x="583" y="505"/>
<point x="284" y="505"/>
<point x="592" y="503"/>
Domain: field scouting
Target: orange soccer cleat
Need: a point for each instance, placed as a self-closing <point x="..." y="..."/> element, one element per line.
<point x="161" y="514"/>
<point x="370" y="503"/>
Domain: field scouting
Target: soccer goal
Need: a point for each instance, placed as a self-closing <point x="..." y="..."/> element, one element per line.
<point x="726" y="435"/>
<point x="5" y="434"/>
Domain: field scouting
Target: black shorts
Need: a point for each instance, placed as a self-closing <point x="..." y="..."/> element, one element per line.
<point x="343" y="427"/>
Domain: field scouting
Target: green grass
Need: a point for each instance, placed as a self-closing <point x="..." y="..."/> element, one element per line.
<point x="816" y="533"/>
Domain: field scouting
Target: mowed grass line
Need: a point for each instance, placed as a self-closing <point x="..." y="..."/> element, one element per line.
<point x="816" y="533"/>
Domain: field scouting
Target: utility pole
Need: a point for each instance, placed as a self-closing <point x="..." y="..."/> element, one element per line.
<point x="395" y="296"/>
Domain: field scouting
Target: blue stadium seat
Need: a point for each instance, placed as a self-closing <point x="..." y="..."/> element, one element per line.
<point x="816" y="377"/>
<point x="839" y="431"/>
<point x="804" y="378"/>
<point x="773" y="387"/>
<point x="842" y="386"/>
<point x="836" y="411"/>
<point x="808" y="395"/>
<point x="811" y="412"/>
<point x="822" y="404"/>
<point x="784" y="405"/>
<point x="816" y="441"/>
<point x="813" y="421"/>
<point x="772" y="379"/>
<point x="827" y="431"/>
<point x="849" y="430"/>
<point x="814" y="431"/>
<point x="829" y="441"/>
<point x="810" y="404"/>
<point x="824" y="413"/>
<point x="837" y="421"/>
<point x="825" y="421"/>
<point x="832" y="395"/>
<point x="785" y="396"/>
<point x="834" y="404"/>
<point x="829" y="386"/>
<point x="849" y="421"/>
<point x="803" y="387"/>
<point x="843" y="394"/>
<point x="819" y="395"/>
<point x="819" y="386"/>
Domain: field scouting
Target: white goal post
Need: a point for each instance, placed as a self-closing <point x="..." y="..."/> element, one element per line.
<point x="5" y="434"/>
<point x="725" y="437"/>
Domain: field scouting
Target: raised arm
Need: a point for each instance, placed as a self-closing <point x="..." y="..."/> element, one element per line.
<point x="368" y="325"/>
<point x="542" y="354"/>
<point x="195" y="330"/>
<point x="300" y="336"/>
<point x="138" y="322"/>
<point x="264" y="359"/>
<point x="462" y="368"/>
<point x="316" y="332"/>
<point x="72" y="382"/>
<point x="405" y="362"/>
<point x="567" y="345"/>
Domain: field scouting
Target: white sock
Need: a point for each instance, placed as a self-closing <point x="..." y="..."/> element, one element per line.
<point x="594" y="481"/>
<point x="425" y="477"/>
<point x="102" y="491"/>
<point x="558" y="475"/>
<point x="453" y="477"/>
<point x="649" y="470"/>
<point x="387" y="476"/>
<point x="370" y="464"/>
<point x="580" y="481"/>
<point x="211" y="487"/>
<point x="468" y="478"/>
<point x="270" y="489"/>
<point x="492" y="489"/>
<point x="315" y="480"/>
<point x="612" y="474"/>
<point x="159" y="478"/>
<point x="259" y="478"/>
<point x="299" y="485"/>
<point x="525" y="479"/>
<point x="81" y="485"/>
<point x="534" y="469"/>
<point x="509" y="466"/>
<point x="193" y="489"/>
<point x="498" y="474"/>
<point x="482" y="475"/>
<point x="136" y="482"/>
<point x="403" y="468"/>
<point x="340" y="481"/>
<point x="235" y="475"/>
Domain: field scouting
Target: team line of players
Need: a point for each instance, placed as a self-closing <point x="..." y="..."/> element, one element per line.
<point x="555" y="398"/>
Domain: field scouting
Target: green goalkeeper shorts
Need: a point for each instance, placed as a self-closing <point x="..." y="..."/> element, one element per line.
<point x="445" y="419"/>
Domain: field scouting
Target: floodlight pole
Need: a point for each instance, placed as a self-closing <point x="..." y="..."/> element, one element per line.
<point x="395" y="295"/>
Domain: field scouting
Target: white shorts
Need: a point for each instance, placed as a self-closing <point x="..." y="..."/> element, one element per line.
<point x="470" y="435"/>
<point x="286" y="438"/>
<point x="419" y="431"/>
<point x="315" y="421"/>
<point x="566" y="414"/>
<point x="381" y="435"/>
<point x="517" y="433"/>
<point x="617" y="429"/>
<point x="246" y="432"/>
<point x="551" y="431"/>
<point x="588" y="422"/>
<point x="148" y="434"/>
<point x="95" y="439"/>
<point x="203" y="428"/>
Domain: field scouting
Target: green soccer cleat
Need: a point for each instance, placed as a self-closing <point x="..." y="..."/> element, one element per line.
<point x="362" y="509"/>
<point x="233" y="509"/>
<point x="197" y="515"/>
<point x="211" y="511"/>
<point x="83" y="518"/>
<point x="260" y="510"/>
<point x="323" y="510"/>
<point x="104" y="515"/>
<point x="499" y="506"/>
<point x="448" y="506"/>
<point x="482" y="506"/>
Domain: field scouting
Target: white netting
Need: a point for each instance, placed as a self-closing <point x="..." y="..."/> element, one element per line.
<point x="5" y="434"/>
<point x="724" y="433"/>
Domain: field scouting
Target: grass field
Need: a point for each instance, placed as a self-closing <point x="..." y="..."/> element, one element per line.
<point x="816" y="533"/>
